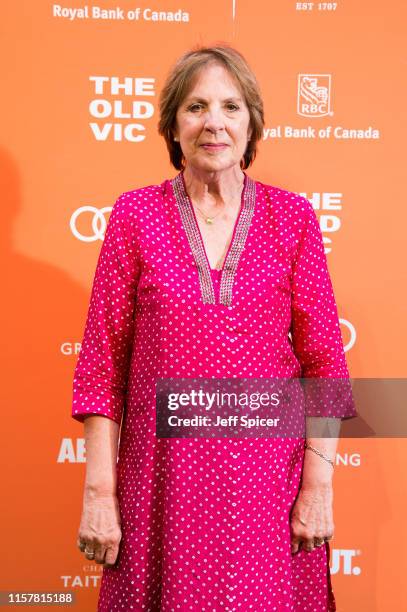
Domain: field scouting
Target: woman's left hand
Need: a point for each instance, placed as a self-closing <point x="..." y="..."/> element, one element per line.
<point x="314" y="507"/>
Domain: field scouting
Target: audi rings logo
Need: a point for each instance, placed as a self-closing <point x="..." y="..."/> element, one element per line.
<point x="97" y="224"/>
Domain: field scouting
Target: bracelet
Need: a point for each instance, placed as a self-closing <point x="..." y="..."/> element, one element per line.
<point x="318" y="452"/>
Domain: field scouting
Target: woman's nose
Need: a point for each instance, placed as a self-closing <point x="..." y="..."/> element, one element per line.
<point x="214" y="119"/>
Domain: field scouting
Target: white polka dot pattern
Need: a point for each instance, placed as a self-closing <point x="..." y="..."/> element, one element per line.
<point x="205" y="522"/>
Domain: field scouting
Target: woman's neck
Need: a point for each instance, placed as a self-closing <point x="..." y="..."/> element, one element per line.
<point x="217" y="187"/>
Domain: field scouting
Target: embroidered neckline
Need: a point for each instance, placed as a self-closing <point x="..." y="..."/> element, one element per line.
<point x="236" y="246"/>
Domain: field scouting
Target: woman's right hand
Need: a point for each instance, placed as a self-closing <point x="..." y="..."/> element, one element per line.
<point x="99" y="532"/>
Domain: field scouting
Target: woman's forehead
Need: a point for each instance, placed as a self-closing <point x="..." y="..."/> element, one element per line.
<point x="199" y="82"/>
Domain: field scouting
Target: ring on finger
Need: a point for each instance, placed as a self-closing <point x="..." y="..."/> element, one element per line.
<point x="319" y="541"/>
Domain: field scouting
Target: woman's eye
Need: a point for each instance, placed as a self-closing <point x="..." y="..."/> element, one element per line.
<point x="195" y="107"/>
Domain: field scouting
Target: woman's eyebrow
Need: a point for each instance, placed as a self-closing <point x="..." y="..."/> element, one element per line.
<point x="198" y="99"/>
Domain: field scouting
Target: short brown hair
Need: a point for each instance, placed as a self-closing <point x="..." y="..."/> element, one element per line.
<point x="178" y="83"/>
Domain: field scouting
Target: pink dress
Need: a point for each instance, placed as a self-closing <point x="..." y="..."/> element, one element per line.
<point x="205" y="522"/>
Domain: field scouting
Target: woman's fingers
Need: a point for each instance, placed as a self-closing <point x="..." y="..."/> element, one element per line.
<point x="318" y="542"/>
<point x="305" y="538"/>
<point x="111" y="555"/>
<point x="100" y="551"/>
<point x="300" y="533"/>
<point x="87" y="548"/>
<point x="299" y="541"/>
<point x="103" y="551"/>
<point x="81" y="544"/>
<point x="295" y="543"/>
<point x="308" y="544"/>
<point x="110" y="550"/>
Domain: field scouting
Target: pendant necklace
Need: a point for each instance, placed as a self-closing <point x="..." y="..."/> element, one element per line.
<point x="208" y="220"/>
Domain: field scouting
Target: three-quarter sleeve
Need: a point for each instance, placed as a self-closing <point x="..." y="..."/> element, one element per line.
<point x="315" y="329"/>
<point x="100" y="377"/>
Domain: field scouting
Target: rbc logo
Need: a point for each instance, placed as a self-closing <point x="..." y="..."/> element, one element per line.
<point x="343" y="562"/>
<point x="314" y="95"/>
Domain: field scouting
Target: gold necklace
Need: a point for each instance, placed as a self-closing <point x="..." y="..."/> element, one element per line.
<point x="209" y="220"/>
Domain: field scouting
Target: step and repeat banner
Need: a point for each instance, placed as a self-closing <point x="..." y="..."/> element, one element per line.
<point x="79" y="127"/>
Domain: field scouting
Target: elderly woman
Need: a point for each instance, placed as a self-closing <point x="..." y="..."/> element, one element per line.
<point x="209" y="274"/>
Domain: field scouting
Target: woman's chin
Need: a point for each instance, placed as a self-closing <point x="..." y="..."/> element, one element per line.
<point x="212" y="165"/>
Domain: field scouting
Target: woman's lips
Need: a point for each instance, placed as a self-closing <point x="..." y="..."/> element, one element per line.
<point x="212" y="147"/>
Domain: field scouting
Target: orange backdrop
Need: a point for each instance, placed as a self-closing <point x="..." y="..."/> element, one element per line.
<point x="80" y="93"/>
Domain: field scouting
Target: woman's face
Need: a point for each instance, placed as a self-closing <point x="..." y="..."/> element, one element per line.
<point x="213" y="113"/>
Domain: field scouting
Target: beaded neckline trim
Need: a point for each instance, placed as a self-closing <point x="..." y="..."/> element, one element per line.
<point x="195" y="241"/>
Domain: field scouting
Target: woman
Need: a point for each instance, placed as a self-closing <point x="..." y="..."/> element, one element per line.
<point x="206" y="275"/>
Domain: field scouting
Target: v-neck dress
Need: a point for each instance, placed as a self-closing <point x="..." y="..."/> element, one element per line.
<point x="206" y="521"/>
